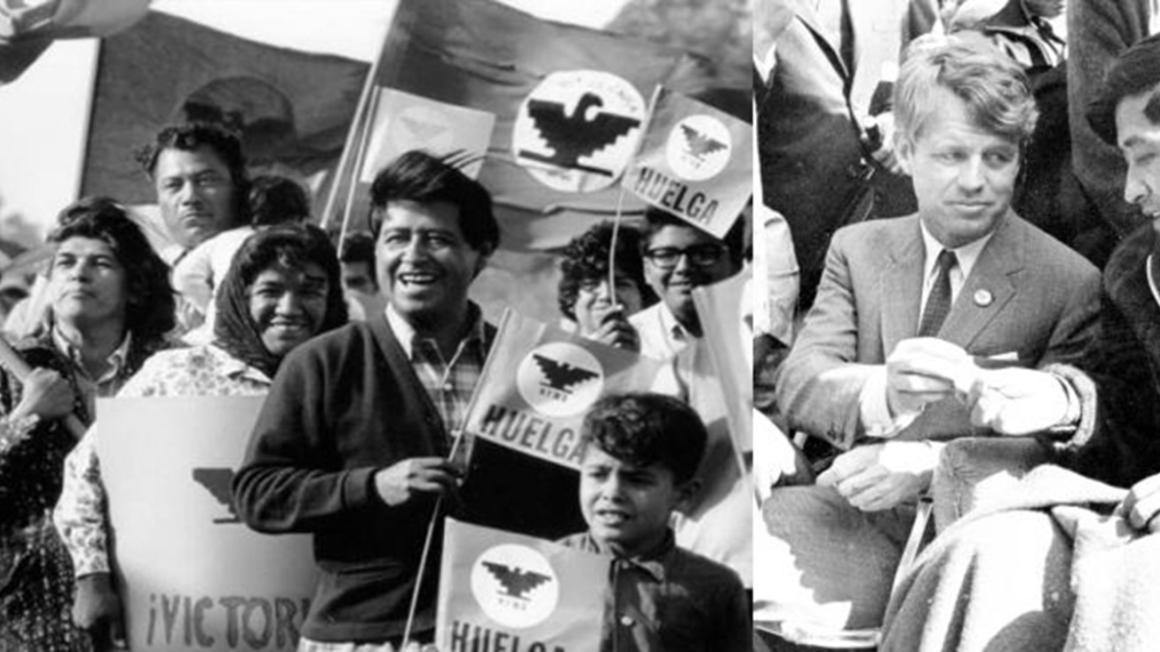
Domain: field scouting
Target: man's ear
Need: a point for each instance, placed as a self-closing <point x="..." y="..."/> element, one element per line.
<point x="686" y="492"/>
<point x="904" y="150"/>
<point x="481" y="262"/>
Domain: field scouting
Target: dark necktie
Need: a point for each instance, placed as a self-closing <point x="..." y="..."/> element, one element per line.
<point x="846" y="47"/>
<point x="938" y="304"/>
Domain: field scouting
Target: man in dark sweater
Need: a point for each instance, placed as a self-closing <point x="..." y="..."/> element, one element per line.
<point x="353" y="442"/>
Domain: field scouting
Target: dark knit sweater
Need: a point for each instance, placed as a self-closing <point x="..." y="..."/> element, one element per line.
<point x="343" y="406"/>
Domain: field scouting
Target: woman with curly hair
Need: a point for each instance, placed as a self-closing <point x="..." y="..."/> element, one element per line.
<point x="282" y="288"/>
<point x="110" y="302"/>
<point x="595" y="309"/>
<point x="110" y="306"/>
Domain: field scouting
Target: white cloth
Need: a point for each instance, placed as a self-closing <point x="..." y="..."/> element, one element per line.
<point x="876" y="417"/>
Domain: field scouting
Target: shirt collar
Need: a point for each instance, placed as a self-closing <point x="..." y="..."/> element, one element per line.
<point x="652" y="562"/>
<point x="967" y="255"/>
<point x="172" y="254"/>
<point x="673" y="329"/>
<point x="407" y="336"/>
<point x="116" y="359"/>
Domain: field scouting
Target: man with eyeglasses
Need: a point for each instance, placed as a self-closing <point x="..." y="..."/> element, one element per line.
<point x="677" y="258"/>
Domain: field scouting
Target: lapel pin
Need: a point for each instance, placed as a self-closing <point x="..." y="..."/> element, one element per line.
<point x="983" y="298"/>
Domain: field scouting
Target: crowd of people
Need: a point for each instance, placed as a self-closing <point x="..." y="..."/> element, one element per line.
<point x="968" y="385"/>
<point x="366" y="350"/>
<point x="956" y="353"/>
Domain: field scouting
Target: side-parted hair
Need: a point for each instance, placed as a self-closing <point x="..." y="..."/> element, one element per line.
<point x="150" y="309"/>
<point x="586" y="257"/>
<point x="656" y="219"/>
<point x="286" y="245"/>
<point x="994" y="87"/>
<point x="422" y="178"/>
<point x="1135" y="71"/>
<point x="646" y="428"/>
<point x="193" y="135"/>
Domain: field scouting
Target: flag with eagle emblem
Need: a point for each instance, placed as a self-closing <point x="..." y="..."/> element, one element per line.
<point x="696" y="162"/>
<point x="569" y="105"/>
<point x="539" y="381"/>
<point x="505" y="591"/>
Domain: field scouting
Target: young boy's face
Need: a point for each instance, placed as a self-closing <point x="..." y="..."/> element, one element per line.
<point x="626" y="506"/>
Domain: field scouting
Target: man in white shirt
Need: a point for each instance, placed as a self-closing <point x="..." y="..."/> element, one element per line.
<point x="677" y="258"/>
<point x="907" y="313"/>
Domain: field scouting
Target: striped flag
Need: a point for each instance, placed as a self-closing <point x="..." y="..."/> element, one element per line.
<point x="403" y="122"/>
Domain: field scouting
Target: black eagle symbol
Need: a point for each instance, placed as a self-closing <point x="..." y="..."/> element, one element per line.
<point x="516" y="581"/>
<point x="575" y="135"/>
<point x="561" y="375"/>
<point x="700" y="145"/>
<point x="217" y="482"/>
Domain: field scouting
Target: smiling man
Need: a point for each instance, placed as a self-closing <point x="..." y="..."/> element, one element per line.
<point x="677" y="258"/>
<point x="906" y="307"/>
<point x="352" y="443"/>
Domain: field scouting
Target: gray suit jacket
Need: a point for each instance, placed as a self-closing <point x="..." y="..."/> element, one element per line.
<point x="1044" y="306"/>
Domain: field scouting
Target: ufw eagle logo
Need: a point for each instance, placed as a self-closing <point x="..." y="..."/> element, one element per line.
<point x="516" y="581"/>
<point x="561" y="376"/>
<point x="699" y="145"/>
<point x="217" y="482"/>
<point x="579" y="133"/>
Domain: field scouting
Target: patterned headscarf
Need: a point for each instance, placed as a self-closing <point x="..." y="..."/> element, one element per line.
<point x="291" y="246"/>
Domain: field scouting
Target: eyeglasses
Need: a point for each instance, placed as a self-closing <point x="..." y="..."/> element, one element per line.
<point x="702" y="255"/>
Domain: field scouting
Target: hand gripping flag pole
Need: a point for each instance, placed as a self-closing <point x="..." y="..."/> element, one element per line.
<point x="413" y="607"/>
<point x="12" y="361"/>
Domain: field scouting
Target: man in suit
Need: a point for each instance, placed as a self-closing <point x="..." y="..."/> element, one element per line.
<point x="823" y="138"/>
<point x="1074" y="560"/>
<point x="906" y="312"/>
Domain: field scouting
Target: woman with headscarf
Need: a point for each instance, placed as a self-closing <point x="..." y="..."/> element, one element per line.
<point x="282" y="289"/>
<point x="110" y="306"/>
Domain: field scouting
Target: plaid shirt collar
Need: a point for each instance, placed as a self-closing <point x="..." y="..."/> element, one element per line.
<point x="449" y="383"/>
<point x="408" y="338"/>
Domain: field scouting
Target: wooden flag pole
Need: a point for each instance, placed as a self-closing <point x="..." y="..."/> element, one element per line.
<point x="414" y="606"/>
<point x="359" y="162"/>
<point x="12" y="361"/>
<point x="356" y="127"/>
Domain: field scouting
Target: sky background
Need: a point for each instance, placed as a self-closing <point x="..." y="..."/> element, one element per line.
<point x="44" y="112"/>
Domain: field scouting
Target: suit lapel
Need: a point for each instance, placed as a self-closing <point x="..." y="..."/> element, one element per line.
<point x="900" y="289"/>
<point x="991" y="285"/>
<point x="805" y="12"/>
